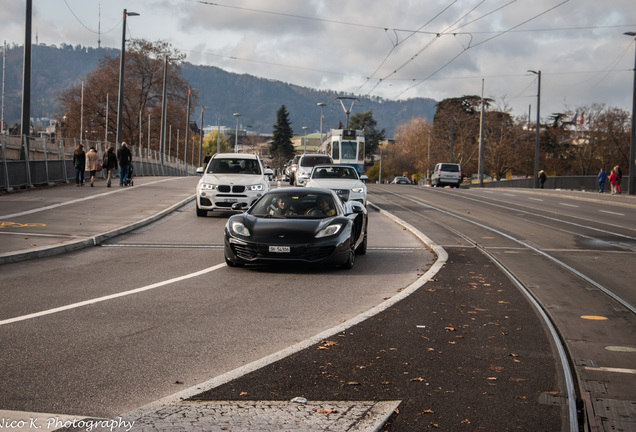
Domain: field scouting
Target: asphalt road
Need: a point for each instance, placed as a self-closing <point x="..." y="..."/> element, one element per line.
<point x="467" y="351"/>
<point x="176" y="316"/>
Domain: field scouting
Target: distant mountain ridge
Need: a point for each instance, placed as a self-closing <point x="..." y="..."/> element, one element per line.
<point x="222" y="93"/>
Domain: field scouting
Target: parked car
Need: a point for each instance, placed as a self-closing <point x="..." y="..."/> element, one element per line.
<point x="401" y="180"/>
<point x="342" y="179"/>
<point x="446" y="174"/>
<point x="229" y="179"/>
<point x="306" y="163"/>
<point x="303" y="225"/>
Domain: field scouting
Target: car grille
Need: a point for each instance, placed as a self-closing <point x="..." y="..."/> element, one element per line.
<point x="342" y="193"/>
<point x="229" y="188"/>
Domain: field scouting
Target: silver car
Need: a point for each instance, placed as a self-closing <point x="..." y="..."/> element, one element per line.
<point x="342" y="179"/>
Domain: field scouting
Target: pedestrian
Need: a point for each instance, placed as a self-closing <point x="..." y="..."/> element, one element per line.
<point x="109" y="163"/>
<point x="542" y="178"/>
<point x="79" y="161"/>
<point x="124" y="156"/>
<point x="602" y="176"/>
<point x="92" y="163"/>
<point x="613" y="179"/>
<point x="619" y="179"/>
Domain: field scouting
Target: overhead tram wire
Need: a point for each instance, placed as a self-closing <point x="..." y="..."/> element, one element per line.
<point x="481" y="43"/>
<point x="397" y="43"/>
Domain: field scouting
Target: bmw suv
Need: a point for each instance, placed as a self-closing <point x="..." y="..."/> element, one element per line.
<point x="228" y="179"/>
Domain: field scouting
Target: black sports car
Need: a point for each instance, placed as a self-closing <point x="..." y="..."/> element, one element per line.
<point x="307" y="225"/>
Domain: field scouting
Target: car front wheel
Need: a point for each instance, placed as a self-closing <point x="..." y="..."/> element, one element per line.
<point x="201" y="212"/>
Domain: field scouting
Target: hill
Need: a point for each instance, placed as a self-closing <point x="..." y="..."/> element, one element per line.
<point x="222" y="93"/>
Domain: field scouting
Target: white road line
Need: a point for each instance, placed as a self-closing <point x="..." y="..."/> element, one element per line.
<point x="569" y="205"/>
<point x="535" y="199"/>
<point x="612" y="213"/>
<point x="609" y="369"/>
<point x="52" y="206"/>
<point x="110" y="297"/>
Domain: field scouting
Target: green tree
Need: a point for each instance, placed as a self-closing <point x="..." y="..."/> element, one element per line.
<point x="281" y="148"/>
<point x="210" y="144"/>
<point x="372" y="137"/>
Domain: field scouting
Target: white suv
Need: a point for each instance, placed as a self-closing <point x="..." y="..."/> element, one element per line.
<point x="230" y="178"/>
<point x="306" y="163"/>
<point x="446" y="174"/>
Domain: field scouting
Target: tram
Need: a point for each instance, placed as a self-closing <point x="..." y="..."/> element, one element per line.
<point x="346" y="147"/>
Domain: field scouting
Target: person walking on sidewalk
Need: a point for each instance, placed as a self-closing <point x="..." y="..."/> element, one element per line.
<point x="602" y="176"/>
<point x="92" y="163"/>
<point x="619" y="179"/>
<point x="124" y="156"/>
<point x="613" y="179"/>
<point x="109" y="163"/>
<point x="79" y="161"/>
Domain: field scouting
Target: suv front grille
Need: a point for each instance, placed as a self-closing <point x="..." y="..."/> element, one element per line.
<point x="229" y="188"/>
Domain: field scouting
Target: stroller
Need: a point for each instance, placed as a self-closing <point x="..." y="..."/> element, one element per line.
<point x="129" y="179"/>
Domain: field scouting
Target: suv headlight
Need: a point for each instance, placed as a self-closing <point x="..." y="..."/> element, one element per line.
<point x="207" y="186"/>
<point x="256" y="187"/>
<point x="358" y="190"/>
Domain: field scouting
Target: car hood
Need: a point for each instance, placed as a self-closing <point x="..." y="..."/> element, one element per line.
<point x="286" y="231"/>
<point x="335" y="184"/>
<point x="240" y="179"/>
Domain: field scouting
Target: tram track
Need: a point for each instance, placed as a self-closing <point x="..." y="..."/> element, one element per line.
<point x="569" y="347"/>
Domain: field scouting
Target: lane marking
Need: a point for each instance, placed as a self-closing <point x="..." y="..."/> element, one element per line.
<point x="79" y="200"/>
<point x="609" y="369"/>
<point x="535" y="199"/>
<point x="569" y="205"/>
<point x="111" y="296"/>
<point x="612" y="213"/>
<point x="594" y="317"/>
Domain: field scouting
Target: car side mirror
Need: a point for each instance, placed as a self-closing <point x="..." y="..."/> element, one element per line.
<point x="355" y="207"/>
<point x="200" y="170"/>
<point x="364" y="178"/>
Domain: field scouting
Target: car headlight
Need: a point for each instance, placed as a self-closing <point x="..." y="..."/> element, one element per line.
<point x="329" y="231"/>
<point x="240" y="229"/>
<point x="207" y="186"/>
<point x="256" y="187"/>
<point x="358" y="190"/>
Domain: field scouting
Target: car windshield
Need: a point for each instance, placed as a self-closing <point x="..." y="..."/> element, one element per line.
<point x="294" y="205"/>
<point x="343" y="172"/>
<point x="233" y="166"/>
<point x="310" y="161"/>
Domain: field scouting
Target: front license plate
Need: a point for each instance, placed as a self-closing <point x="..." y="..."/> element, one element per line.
<point x="279" y="249"/>
<point x="230" y="200"/>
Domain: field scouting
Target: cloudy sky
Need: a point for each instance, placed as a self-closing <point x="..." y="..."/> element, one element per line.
<point x="395" y="50"/>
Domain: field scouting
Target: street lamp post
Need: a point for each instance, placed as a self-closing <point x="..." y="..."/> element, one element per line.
<point x="162" y="135"/>
<point x="321" y="104"/>
<point x="305" y="129"/>
<point x="122" y="62"/>
<point x="632" y="147"/>
<point x="237" y="115"/>
<point x="538" y="139"/>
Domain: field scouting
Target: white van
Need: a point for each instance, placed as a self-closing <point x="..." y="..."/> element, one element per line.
<point x="446" y="174"/>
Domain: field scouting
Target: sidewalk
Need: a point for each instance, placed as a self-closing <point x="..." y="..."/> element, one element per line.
<point x="52" y="220"/>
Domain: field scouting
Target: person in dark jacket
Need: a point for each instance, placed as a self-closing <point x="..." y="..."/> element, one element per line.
<point x="602" y="177"/>
<point x="124" y="156"/>
<point x="79" y="161"/>
<point x="109" y="163"/>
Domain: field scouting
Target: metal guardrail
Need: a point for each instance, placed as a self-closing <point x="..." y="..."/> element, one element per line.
<point x="50" y="161"/>
<point x="588" y="183"/>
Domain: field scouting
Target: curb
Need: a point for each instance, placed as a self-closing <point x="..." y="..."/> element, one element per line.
<point x="46" y="251"/>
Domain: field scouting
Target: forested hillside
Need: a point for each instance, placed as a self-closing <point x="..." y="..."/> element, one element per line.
<point x="222" y="93"/>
